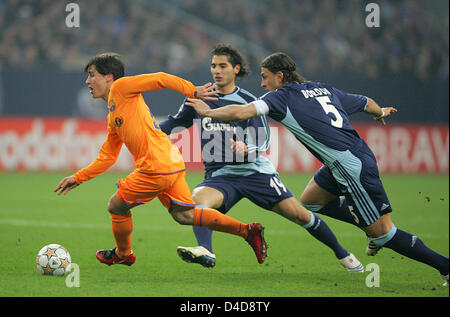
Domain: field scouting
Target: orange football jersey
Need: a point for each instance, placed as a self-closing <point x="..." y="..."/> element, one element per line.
<point x="130" y="122"/>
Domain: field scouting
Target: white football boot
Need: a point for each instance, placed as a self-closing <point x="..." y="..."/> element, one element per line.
<point x="198" y="255"/>
<point x="351" y="263"/>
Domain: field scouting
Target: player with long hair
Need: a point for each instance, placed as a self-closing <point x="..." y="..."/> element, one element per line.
<point x="229" y="177"/>
<point x="318" y="116"/>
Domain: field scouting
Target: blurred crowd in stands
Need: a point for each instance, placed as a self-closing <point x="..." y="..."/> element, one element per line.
<point x="177" y="35"/>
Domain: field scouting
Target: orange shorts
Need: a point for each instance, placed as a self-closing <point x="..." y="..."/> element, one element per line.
<point x="139" y="188"/>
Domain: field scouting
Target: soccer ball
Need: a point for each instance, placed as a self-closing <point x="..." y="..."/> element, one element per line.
<point x="53" y="259"/>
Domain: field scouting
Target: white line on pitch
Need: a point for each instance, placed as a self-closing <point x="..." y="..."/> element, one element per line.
<point x="175" y="228"/>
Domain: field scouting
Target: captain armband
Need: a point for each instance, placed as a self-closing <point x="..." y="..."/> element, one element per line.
<point x="261" y="107"/>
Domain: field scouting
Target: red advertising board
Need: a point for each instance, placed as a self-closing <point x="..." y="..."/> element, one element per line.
<point x="54" y="144"/>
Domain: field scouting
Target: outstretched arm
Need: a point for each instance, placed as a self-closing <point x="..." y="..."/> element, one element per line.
<point x="377" y="112"/>
<point x="132" y="85"/>
<point x="107" y="156"/>
<point x="227" y="113"/>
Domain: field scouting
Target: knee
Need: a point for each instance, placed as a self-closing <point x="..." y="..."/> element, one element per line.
<point x="291" y="209"/>
<point x="183" y="217"/>
<point x="111" y="208"/>
<point x="117" y="212"/>
<point x="198" y="198"/>
<point x="207" y="196"/>
<point x="304" y="199"/>
<point x="309" y="202"/>
<point x="315" y="196"/>
<point x="202" y="201"/>
<point x="116" y="208"/>
<point x="383" y="227"/>
<point x="381" y="238"/>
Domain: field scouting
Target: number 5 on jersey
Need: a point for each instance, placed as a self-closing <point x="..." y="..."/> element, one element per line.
<point x="328" y="107"/>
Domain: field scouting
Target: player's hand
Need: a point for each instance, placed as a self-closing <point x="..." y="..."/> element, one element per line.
<point x="66" y="185"/>
<point x="239" y="147"/>
<point x="387" y="111"/>
<point x="199" y="106"/>
<point x="206" y="92"/>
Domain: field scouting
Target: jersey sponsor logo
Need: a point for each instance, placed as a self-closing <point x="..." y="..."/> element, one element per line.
<point x="54" y="144"/>
<point x="216" y="126"/>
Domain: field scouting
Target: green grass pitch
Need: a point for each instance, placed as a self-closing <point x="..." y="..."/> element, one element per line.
<point x="31" y="216"/>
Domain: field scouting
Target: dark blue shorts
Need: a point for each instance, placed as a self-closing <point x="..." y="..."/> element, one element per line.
<point x="355" y="175"/>
<point x="264" y="190"/>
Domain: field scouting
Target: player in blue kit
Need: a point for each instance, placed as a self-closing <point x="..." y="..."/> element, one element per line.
<point x="317" y="114"/>
<point x="232" y="151"/>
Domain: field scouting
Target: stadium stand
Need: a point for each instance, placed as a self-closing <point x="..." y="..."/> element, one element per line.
<point x="176" y="35"/>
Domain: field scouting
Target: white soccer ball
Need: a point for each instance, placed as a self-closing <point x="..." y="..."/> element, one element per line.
<point x="53" y="259"/>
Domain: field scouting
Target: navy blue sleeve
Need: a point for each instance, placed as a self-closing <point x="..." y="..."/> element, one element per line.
<point x="351" y="103"/>
<point x="277" y="103"/>
<point x="184" y="118"/>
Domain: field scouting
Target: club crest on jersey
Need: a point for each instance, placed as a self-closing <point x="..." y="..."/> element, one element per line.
<point x="118" y="121"/>
<point x="112" y="106"/>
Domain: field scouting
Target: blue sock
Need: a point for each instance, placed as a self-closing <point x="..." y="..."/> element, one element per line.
<point x="336" y="209"/>
<point x="412" y="247"/>
<point x="204" y="237"/>
<point x="320" y="230"/>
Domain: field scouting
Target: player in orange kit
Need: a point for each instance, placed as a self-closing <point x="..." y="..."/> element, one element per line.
<point x="160" y="169"/>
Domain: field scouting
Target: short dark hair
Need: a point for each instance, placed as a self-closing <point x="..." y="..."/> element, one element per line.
<point x="281" y="62"/>
<point x="234" y="57"/>
<point x="107" y="63"/>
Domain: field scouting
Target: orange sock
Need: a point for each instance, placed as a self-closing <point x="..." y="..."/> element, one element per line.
<point x="215" y="220"/>
<point x="122" y="226"/>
